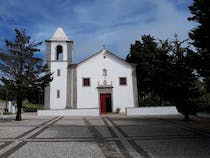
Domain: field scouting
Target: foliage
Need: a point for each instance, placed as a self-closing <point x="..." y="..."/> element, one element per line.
<point x="2" y="93"/>
<point x="36" y="96"/>
<point x="22" y="70"/>
<point x="152" y="101"/>
<point x="146" y="55"/>
<point x="29" y="107"/>
<point x="183" y="90"/>
<point x="1" y="100"/>
<point x="8" y="113"/>
<point x="164" y="73"/>
<point x="5" y="93"/>
<point x="200" y="37"/>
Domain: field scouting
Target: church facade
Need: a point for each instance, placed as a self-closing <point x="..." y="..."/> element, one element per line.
<point x="103" y="81"/>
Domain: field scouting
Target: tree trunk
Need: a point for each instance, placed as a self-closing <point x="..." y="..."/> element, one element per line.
<point x="186" y="116"/>
<point x="19" y="108"/>
<point x="186" y="112"/>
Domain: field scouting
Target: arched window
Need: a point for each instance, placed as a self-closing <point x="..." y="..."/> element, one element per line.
<point x="59" y="53"/>
<point x="104" y="72"/>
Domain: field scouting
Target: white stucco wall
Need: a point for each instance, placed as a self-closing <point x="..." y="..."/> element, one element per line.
<point x="69" y="112"/>
<point x="88" y="97"/>
<point x="164" y="110"/>
<point x="59" y="82"/>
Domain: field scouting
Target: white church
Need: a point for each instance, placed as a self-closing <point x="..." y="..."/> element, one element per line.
<point x="102" y="83"/>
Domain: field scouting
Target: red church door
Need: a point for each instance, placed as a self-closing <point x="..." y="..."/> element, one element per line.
<point x="105" y="103"/>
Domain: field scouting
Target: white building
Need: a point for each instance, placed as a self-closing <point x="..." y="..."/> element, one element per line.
<point x="103" y="81"/>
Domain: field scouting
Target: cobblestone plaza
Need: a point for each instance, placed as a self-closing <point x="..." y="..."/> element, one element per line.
<point x="113" y="136"/>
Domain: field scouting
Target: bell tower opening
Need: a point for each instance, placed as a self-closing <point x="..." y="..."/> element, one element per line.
<point x="59" y="53"/>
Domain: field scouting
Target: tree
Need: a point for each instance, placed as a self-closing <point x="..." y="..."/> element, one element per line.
<point x="4" y="93"/>
<point x="200" y="37"/>
<point x="162" y="72"/>
<point x="21" y="70"/>
<point x="165" y="72"/>
<point x="182" y="89"/>
<point x="151" y="64"/>
<point x="141" y="53"/>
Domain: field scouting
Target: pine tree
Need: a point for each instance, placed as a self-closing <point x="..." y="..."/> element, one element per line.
<point x="21" y="70"/>
<point x="151" y="63"/>
<point x="200" y="37"/>
<point x="182" y="89"/>
<point x="165" y="72"/>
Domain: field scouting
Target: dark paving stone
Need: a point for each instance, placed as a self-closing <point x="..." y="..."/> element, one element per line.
<point x="154" y="130"/>
<point x="58" y="131"/>
<point x="103" y="131"/>
<point x="176" y="148"/>
<point x="153" y="127"/>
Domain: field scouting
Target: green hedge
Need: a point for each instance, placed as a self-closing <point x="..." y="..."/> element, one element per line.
<point x="2" y="100"/>
<point x="29" y="107"/>
<point x="149" y="101"/>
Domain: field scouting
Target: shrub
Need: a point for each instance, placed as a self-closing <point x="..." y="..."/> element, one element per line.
<point x="149" y="101"/>
<point x="29" y="107"/>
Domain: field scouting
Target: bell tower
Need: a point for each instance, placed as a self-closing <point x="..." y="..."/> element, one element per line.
<point x="59" y="50"/>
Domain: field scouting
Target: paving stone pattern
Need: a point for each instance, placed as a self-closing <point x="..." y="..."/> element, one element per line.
<point x="108" y="136"/>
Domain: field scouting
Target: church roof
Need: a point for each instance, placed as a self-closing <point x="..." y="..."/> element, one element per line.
<point x="108" y="52"/>
<point x="59" y="35"/>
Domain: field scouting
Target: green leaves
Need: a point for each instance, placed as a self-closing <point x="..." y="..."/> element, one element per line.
<point x="20" y="68"/>
<point x="23" y="74"/>
<point x="200" y="35"/>
<point x="164" y="71"/>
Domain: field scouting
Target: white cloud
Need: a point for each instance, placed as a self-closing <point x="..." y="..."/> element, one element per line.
<point x="162" y="22"/>
<point x="115" y="23"/>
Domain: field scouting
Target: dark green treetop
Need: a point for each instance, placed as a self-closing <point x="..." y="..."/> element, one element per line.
<point x="200" y="35"/>
<point x="21" y="70"/>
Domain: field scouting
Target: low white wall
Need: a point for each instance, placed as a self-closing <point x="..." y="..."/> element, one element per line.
<point x="70" y="112"/>
<point x="165" y="110"/>
<point x="11" y="108"/>
<point x="203" y="115"/>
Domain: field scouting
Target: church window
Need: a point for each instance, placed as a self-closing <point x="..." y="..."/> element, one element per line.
<point x="104" y="72"/>
<point x="58" y="93"/>
<point x="59" y="53"/>
<point x="58" y="72"/>
<point x="86" y="82"/>
<point x="122" y="81"/>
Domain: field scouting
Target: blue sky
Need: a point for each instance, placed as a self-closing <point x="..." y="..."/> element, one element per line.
<point x="94" y="23"/>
